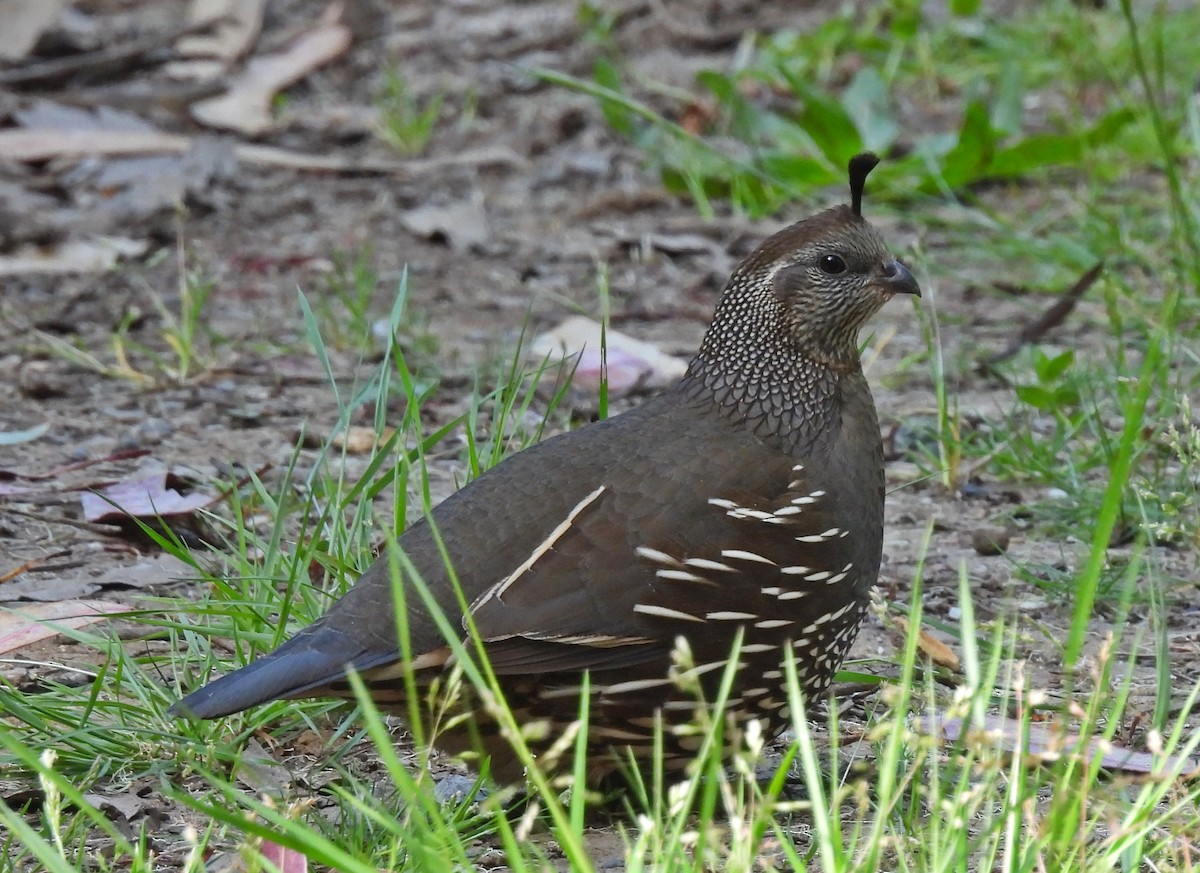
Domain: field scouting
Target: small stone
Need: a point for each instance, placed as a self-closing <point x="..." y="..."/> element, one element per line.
<point x="990" y="540"/>
<point x="454" y="788"/>
<point x="153" y="431"/>
<point x="41" y="380"/>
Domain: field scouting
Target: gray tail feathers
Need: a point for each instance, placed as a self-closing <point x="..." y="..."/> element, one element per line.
<point x="306" y="662"/>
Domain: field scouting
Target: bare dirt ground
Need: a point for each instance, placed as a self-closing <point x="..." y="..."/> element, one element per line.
<point x="523" y="193"/>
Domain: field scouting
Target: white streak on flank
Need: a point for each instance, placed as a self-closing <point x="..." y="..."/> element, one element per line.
<point x="828" y="617"/>
<point x="788" y="510"/>
<point x="731" y="616"/>
<point x="655" y="555"/>
<point x="736" y="510"/>
<point x="664" y="612"/>
<point x="837" y="613"/>
<point x="795" y="571"/>
<point x="755" y="648"/>
<point x="679" y="706"/>
<point x="835" y="579"/>
<point x="803" y="501"/>
<point x="771" y="591"/>
<point x="738" y="554"/>
<point x="680" y="576"/>
<point x="818" y="577"/>
<point x="615" y="733"/>
<point x="772" y="622"/>
<point x="821" y="537"/>
<point x="772" y="674"/>
<point x="439" y="657"/>
<point x="794" y="595"/>
<point x="634" y="685"/>
<point x="597" y="641"/>
<point x="759" y="515"/>
<point x="816" y="494"/>
<point x="706" y="564"/>
<point x="565" y="691"/>
<point x="546" y="545"/>
<point x="799" y="468"/>
<point x="701" y="669"/>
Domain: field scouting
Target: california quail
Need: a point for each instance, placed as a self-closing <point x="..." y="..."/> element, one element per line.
<point x="748" y="496"/>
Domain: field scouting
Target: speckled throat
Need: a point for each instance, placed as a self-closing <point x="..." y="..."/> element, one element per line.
<point x="759" y="379"/>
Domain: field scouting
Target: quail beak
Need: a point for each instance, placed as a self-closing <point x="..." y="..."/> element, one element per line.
<point x="896" y="279"/>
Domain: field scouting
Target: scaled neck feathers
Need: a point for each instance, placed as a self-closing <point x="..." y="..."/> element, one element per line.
<point x="753" y="371"/>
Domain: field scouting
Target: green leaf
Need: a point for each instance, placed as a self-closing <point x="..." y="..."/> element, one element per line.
<point x="905" y="19"/>
<point x="1056" y="149"/>
<point x="1051" y="369"/>
<point x="1037" y="397"/>
<point x="1107" y="128"/>
<point x="720" y="85"/>
<point x="617" y="115"/>
<point x="827" y="124"/>
<point x="868" y="103"/>
<point x="799" y="172"/>
<point x="965" y="163"/>
<point x="1065" y="397"/>
<point x="1035" y="152"/>
<point x="1008" y="105"/>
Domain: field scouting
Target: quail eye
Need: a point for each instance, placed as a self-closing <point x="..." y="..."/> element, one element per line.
<point x="831" y="265"/>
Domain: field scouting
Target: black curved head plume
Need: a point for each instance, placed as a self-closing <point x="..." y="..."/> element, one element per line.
<point x="860" y="166"/>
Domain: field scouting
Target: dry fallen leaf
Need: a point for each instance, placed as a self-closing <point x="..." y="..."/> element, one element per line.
<point x="27" y="624"/>
<point x="271" y="156"/>
<point x="24" y="22"/>
<point x="460" y="225"/>
<point x="1047" y="741"/>
<point x="360" y="440"/>
<point x="261" y="772"/>
<point x="128" y="805"/>
<point x="631" y="362"/>
<point x="933" y="648"/>
<point x="285" y="860"/>
<point x="150" y="495"/>
<point x="239" y="23"/>
<point x="95" y="255"/>
<point x="45" y="587"/>
<point x="42" y="145"/>
<point x="246" y="106"/>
